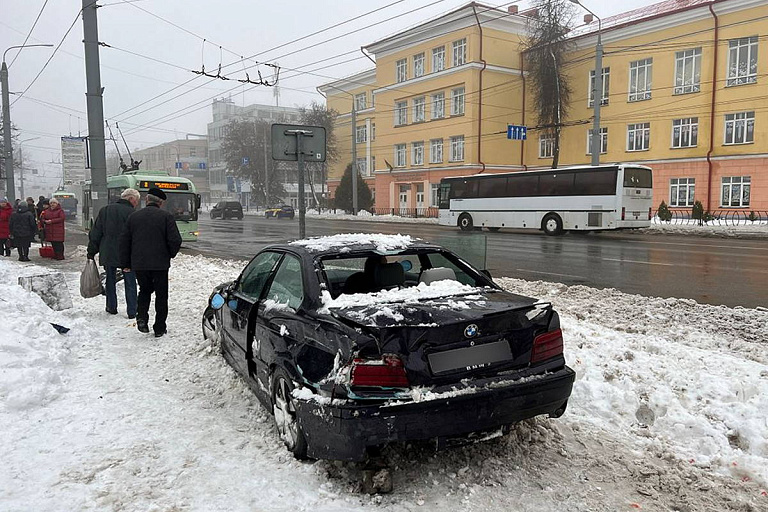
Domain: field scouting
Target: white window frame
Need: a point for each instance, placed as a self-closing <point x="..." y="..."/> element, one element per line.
<point x="418" y="65"/>
<point x="362" y="166"/>
<point x="417" y="153"/>
<point x="605" y="98"/>
<point x="684" y="129"/>
<point x="641" y="130"/>
<point x="640" y="79"/>
<point x="739" y="184"/>
<point x="438" y="105"/>
<point x="401" y="155"/>
<point x="459" y="52"/>
<point x="603" y="141"/>
<point x="360" y="101"/>
<point x="434" y="191"/>
<point x="744" y="121"/>
<point x="419" y="109"/>
<point x="737" y="47"/>
<point x="676" y="185"/>
<point x="401" y="113"/>
<point x="436" y="151"/>
<point x="438" y="59"/>
<point x="361" y="134"/>
<point x="457" y="101"/>
<point x="457" y="148"/>
<point x="688" y="71"/>
<point x="373" y="131"/>
<point x="546" y="147"/>
<point x="401" y="70"/>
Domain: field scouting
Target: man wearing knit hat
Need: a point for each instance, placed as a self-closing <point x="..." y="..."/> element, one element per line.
<point x="147" y="245"/>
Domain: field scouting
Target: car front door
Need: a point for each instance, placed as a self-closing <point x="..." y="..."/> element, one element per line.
<point x="240" y="302"/>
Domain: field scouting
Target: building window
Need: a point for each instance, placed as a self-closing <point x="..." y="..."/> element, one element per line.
<point x="434" y="197"/>
<point x="457" y="101"/>
<point x="640" y="75"/>
<point x="192" y="151"/>
<point x="418" y="65"/>
<point x="742" y="61"/>
<point x="603" y="141"/>
<point x="606" y="75"/>
<point x="740" y="128"/>
<point x="688" y="71"/>
<point x="418" y="109"/>
<point x="638" y="136"/>
<point x="373" y="131"/>
<point x="546" y="147"/>
<point x="736" y="191"/>
<point x="460" y="52"/>
<point x="436" y="151"/>
<point x="438" y="59"/>
<point x="417" y="153"/>
<point x="399" y="155"/>
<point x="362" y="166"/>
<point x="373" y="164"/>
<point x="360" y="101"/>
<point x="401" y="68"/>
<point x="682" y="191"/>
<point x="420" y="195"/>
<point x="438" y="105"/>
<point x="361" y="134"/>
<point x="401" y="113"/>
<point x="685" y="132"/>
<point x="457" y="148"/>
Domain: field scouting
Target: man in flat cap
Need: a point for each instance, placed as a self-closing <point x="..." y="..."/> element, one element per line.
<point x="147" y="244"/>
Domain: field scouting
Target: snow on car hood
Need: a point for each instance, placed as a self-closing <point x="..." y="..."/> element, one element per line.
<point x="382" y="243"/>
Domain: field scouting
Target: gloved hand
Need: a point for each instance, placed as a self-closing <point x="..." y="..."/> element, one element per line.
<point x="91" y="256"/>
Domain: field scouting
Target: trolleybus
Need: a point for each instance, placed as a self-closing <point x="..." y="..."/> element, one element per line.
<point x="68" y="202"/>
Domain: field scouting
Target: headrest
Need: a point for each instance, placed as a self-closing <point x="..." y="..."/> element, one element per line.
<point x="431" y="275"/>
<point x="387" y="275"/>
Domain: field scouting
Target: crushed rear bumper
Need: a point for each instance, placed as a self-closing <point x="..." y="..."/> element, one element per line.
<point x="344" y="432"/>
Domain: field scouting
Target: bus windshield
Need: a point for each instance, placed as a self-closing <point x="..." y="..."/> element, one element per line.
<point x="637" y="178"/>
<point x="182" y="206"/>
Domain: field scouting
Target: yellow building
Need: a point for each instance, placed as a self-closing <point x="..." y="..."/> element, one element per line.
<point x="684" y="92"/>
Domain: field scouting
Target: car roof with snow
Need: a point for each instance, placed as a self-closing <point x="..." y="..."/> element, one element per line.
<point x="357" y="242"/>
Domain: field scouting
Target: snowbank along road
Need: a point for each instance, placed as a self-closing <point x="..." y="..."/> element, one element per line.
<point x="669" y="412"/>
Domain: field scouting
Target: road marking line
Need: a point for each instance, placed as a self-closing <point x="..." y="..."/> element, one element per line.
<point x="641" y="262"/>
<point x="549" y="273"/>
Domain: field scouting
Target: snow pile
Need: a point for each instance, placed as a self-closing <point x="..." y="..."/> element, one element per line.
<point x="735" y="229"/>
<point x="382" y="243"/>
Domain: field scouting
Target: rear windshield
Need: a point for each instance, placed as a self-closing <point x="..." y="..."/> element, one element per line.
<point x="637" y="178"/>
<point x="233" y="205"/>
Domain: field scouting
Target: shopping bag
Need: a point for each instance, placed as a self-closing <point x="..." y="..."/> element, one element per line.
<point x="90" y="283"/>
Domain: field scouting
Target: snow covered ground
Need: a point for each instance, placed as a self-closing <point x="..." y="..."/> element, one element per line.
<point x="669" y="412"/>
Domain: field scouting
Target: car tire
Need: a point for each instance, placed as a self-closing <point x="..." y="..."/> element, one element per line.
<point x="212" y="216"/>
<point x="284" y="412"/>
<point x="211" y="326"/>
<point x="465" y="222"/>
<point x="552" y="224"/>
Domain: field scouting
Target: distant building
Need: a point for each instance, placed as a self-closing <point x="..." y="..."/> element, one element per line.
<point x="187" y="158"/>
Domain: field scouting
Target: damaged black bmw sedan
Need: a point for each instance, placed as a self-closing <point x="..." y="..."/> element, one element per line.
<point x="356" y="341"/>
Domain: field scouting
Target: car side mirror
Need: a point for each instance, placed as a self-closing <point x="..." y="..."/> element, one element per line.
<point x="217" y="301"/>
<point x="198" y="201"/>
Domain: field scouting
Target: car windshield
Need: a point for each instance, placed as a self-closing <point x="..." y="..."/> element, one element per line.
<point x="369" y="272"/>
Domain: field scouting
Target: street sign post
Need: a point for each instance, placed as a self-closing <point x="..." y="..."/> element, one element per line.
<point x="297" y="143"/>
<point x="515" y="132"/>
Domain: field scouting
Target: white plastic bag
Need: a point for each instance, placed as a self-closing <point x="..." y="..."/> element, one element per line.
<point x="90" y="282"/>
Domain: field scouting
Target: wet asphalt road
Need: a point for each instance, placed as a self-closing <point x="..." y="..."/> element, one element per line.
<point x="732" y="272"/>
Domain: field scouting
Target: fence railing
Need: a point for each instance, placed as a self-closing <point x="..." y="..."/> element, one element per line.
<point x="714" y="218"/>
<point x="429" y="212"/>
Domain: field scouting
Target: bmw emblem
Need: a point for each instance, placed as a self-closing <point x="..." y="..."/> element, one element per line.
<point x="470" y="331"/>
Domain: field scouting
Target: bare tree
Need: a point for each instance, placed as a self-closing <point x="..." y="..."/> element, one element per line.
<point x="546" y="53"/>
<point x="318" y="115"/>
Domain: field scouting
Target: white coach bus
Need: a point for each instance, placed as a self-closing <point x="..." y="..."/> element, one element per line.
<point x="581" y="198"/>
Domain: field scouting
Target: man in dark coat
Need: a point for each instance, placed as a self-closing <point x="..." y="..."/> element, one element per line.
<point x="104" y="239"/>
<point x="148" y="243"/>
<point x="23" y="227"/>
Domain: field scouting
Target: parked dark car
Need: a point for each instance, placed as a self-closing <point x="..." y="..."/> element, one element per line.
<point x="280" y="212"/>
<point x="227" y="210"/>
<point x="355" y="341"/>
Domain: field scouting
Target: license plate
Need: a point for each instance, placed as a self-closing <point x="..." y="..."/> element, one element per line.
<point x="470" y="358"/>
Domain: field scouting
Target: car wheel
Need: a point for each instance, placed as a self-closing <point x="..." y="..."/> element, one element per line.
<point x="212" y="216"/>
<point x="211" y="326"/>
<point x="552" y="224"/>
<point x="465" y="222"/>
<point x="284" y="410"/>
<point x="493" y="230"/>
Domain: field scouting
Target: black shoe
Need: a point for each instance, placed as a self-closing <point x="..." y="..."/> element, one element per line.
<point x="142" y="326"/>
<point x="131" y="317"/>
<point x="159" y="334"/>
<point x="111" y="311"/>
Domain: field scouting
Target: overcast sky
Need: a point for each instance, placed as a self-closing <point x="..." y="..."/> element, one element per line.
<point x="241" y="27"/>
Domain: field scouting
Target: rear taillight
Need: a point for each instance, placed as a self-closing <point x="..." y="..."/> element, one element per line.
<point x="547" y="345"/>
<point x="623" y="212"/>
<point x="650" y="213"/>
<point x="387" y="372"/>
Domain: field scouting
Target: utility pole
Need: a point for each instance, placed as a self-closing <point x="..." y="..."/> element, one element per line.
<point x="266" y="171"/>
<point x="354" y="157"/>
<point x="7" y="149"/>
<point x="21" y="173"/>
<point x="97" y="151"/>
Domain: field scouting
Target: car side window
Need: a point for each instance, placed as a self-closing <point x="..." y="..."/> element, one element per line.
<point x="255" y="275"/>
<point x="288" y="286"/>
<point x="438" y="260"/>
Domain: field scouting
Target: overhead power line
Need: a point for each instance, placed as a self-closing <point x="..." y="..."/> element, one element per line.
<point x="28" y="34"/>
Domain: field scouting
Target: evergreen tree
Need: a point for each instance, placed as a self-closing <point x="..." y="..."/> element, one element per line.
<point x="343" y="197"/>
<point x="663" y="213"/>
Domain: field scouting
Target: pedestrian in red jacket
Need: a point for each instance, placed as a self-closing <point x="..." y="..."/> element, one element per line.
<point x="53" y="222"/>
<point x="5" y="232"/>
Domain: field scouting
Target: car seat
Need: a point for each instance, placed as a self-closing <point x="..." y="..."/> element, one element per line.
<point x="431" y="275"/>
<point x="389" y="275"/>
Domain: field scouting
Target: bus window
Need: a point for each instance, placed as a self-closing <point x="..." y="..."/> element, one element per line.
<point x="113" y="194"/>
<point x="594" y="183"/>
<point x="492" y="186"/>
<point x="182" y="206"/>
<point x="444" y="195"/>
<point x="524" y="185"/>
<point x="637" y="178"/>
<point x="463" y="189"/>
<point x="556" y="184"/>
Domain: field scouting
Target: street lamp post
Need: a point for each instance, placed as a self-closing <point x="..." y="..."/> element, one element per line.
<point x="598" y="90"/>
<point x="7" y="149"/>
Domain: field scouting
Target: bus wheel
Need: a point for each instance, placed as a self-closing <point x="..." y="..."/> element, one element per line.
<point x="493" y="230"/>
<point x="552" y="224"/>
<point x="465" y="222"/>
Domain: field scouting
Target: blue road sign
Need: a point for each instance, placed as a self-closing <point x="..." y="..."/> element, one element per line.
<point x="246" y="160"/>
<point x="201" y="165"/>
<point x="178" y="165"/>
<point x="517" y="132"/>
